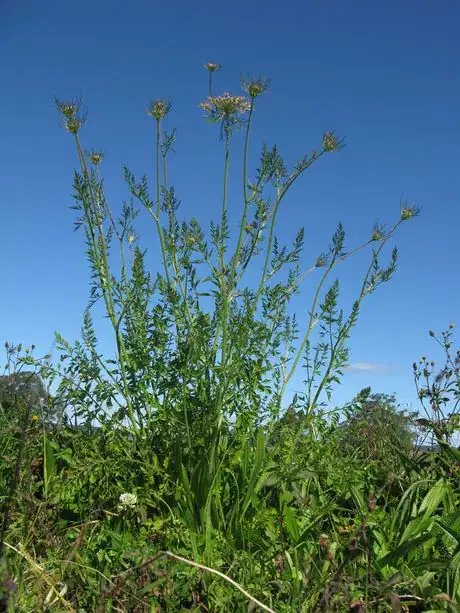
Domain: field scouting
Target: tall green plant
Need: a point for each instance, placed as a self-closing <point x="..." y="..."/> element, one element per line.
<point x="249" y="347"/>
<point x="439" y="390"/>
<point x="198" y="380"/>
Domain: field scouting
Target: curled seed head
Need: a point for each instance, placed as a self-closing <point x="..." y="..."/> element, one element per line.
<point x="96" y="157"/>
<point x="159" y="108"/>
<point x="212" y="67"/>
<point x="331" y="142"/>
<point x="256" y="86"/>
<point x="72" y="113"/>
<point x="408" y="212"/>
<point x="377" y="234"/>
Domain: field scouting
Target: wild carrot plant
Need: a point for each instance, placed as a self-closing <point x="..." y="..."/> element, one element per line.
<point x="176" y="360"/>
<point x="187" y="375"/>
<point x="199" y="489"/>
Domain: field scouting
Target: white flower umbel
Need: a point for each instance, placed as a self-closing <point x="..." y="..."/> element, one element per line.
<point x="127" y="501"/>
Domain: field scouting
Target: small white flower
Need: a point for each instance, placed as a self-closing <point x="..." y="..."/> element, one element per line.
<point x="127" y="501"/>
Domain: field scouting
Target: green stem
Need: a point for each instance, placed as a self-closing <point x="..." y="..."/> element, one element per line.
<point x="223" y="323"/>
<point x="281" y="192"/>
<point x="119" y="236"/>
<point x="99" y="244"/>
<point x="224" y="205"/>
<point x="344" y="335"/>
<point x="157" y="216"/>
<point x="247" y="200"/>
<point x="174" y="261"/>
<point x="311" y="325"/>
<point x="269" y="249"/>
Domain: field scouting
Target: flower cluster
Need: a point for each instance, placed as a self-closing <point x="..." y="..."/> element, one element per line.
<point x="408" y="212"/>
<point x="127" y="502"/>
<point x="159" y="108"/>
<point x="227" y="110"/>
<point x="72" y="114"/>
<point x="331" y="142"/>
<point x="255" y="87"/>
<point x="96" y="157"/>
<point x="221" y="108"/>
<point x="212" y="66"/>
<point x="377" y="233"/>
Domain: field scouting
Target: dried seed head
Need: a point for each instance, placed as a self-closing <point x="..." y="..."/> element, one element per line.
<point x="255" y="87"/>
<point x="324" y="541"/>
<point x="73" y="115"/>
<point x="68" y="109"/>
<point x="377" y="234"/>
<point x="159" y="108"/>
<point x="212" y="67"/>
<point x="331" y="142"/>
<point x="408" y="212"/>
<point x="73" y="125"/>
<point x="96" y="157"/>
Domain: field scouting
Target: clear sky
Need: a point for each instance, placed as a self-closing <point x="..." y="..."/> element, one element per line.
<point x="385" y="75"/>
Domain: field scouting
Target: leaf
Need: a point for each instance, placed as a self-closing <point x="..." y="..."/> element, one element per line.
<point x="404" y="549"/>
<point x="455" y="534"/>
<point x="259" y="456"/>
<point x="434" y="497"/>
<point x="291" y="524"/>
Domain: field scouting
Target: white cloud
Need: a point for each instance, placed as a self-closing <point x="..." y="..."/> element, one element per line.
<point x="366" y="366"/>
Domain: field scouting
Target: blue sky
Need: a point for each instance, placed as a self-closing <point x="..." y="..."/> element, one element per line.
<point x="385" y="75"/>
